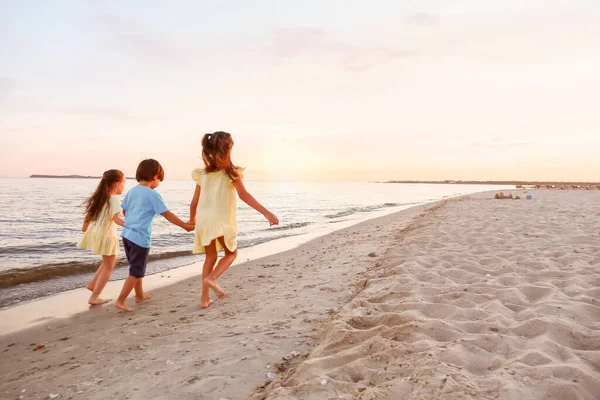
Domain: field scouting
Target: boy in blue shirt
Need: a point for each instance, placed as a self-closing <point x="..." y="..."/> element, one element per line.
<point x="140" y="205"/>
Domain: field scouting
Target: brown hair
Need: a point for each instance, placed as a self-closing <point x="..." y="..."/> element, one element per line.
<point x="148" y="169"/>
<point x="96" y="202"/>
<point x="216" y="152"/>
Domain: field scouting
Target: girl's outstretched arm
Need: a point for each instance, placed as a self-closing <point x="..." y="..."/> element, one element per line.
<point x="194" y="205"/>
<point x="252" y="202"/>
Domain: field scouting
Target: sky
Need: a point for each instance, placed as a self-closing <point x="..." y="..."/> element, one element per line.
<point x="313" y="90"/>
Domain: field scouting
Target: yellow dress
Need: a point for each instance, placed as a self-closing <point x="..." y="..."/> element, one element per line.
<point x="101" y="235"/>
<point x="216" y="211"/>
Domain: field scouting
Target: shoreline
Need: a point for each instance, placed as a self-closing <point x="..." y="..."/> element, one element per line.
<point x="163" y="258"/>
<point x="30" y="313"/>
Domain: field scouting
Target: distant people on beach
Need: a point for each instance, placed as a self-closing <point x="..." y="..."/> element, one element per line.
<point x="102" y="215"/>
<point x="140" y="205"/>
<point x="213" y="210"/>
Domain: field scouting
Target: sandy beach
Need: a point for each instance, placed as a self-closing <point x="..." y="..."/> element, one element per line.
<point x="467" y="298"/>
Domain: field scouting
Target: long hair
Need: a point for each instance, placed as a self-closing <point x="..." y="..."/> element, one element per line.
<point x="216" y="153"/>
<point x="96" y="202"/>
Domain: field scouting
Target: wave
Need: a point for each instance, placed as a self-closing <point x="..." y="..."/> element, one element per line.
<point x="16" y="276"/>
<point x="354" y="210"/>
<point x="253" y="242"/>
<point x="38" y="248"/>
<point x="289" y="226"/>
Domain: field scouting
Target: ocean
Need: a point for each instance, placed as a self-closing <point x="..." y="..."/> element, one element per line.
<point x="42" y="217"/>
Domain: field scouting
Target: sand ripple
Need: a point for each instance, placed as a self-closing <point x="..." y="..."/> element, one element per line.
<point x="480" y="299"/>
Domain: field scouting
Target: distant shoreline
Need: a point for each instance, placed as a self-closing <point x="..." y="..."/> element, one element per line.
<point x="446" y="182"/>
<point x="522" y="183"/>
<point x="69" y="176"/>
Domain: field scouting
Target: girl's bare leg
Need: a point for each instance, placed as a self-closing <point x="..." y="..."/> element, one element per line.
<point x="222" y="265"/>
<point x="209" y="263"/>
<point x="102" y="276"/>
<point x="90" y="286"/>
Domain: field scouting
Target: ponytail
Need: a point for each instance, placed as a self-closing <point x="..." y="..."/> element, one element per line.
<point x="216" y="151"/>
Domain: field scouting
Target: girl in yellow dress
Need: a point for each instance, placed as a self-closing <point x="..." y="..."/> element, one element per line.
<point x="213" y="210"/>
<point x="102" y="215"/>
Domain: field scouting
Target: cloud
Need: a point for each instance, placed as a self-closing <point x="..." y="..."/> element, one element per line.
<point x="35" y="105"/>
<point x="128" y="36"/>
<point x="78" y="110"/>
<point x="14" y="99"/>
<point x="109" y="113"/>
<point x="20" y="130"/>
<point x="372" y="58"/>
<point x="500" y="144"/>
<point x="290" y="42"/>
<point x="322" y="44"/>
<point x="8" y="87"/>
<point x="422" y="19"/>
<point x="97" y="111"/>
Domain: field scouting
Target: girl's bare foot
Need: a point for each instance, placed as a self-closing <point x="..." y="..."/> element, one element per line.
<point x="123" y="306"/>
<point x="98" y="301"/>
<point x="213" y="285"/>
<point x="202" y="305"/>
<point x="90" y="287"/>
<point x="147" y="296"/>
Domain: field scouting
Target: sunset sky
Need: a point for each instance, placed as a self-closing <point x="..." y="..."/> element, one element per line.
<point x="310" y="90"/>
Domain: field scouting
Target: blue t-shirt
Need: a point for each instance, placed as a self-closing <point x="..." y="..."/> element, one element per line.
<point x="141" y="204"/>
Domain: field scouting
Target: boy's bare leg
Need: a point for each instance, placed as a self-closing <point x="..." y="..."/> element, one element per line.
<point x="209" y="264"/>
<point x="90" y="286"/>
<point x="140" y="296"/>
<point x="108" y="264"/>
<point x="221" y="267"/>
<point x="128" y="286"/>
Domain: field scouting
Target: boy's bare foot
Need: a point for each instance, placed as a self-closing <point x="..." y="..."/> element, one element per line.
<point x="213" y="285"/>
<point x="202" y="305"/>
<point x="98" y="301"/>
<point x="147" y="296"/>
<point x="123" y="307"/>
<point x="90" y="287"/>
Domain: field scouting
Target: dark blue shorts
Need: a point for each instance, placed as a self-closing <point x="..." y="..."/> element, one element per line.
<point x="137" y="257"/>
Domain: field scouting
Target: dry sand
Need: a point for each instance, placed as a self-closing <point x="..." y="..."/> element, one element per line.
<point x="478" y="299"/>
<point x="470" y="298"/>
